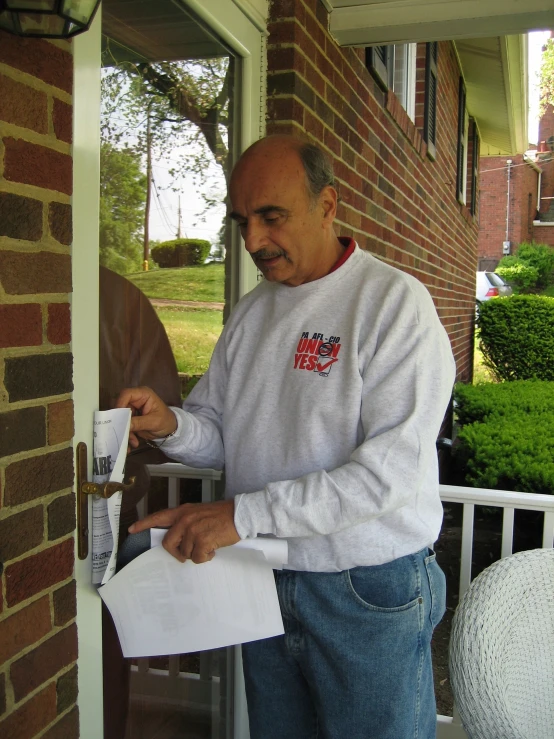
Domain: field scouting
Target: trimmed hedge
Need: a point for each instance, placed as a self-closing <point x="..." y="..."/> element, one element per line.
<point x="517" y="337"/>
<point x="507" y="438"/>
<point x="540" y="256"/>
<point x="518" y="273"/>
<point x="181" y="253"/>
<point x="489" y="401"/>
<point x="515" y="454"/>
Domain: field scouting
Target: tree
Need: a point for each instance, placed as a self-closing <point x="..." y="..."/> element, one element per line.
<point x="165" y="107"/>
<point x="122" y="200"/>
<point x="547" y="76"/>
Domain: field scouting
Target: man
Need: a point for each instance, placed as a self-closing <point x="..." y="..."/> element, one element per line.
<point x="323" y="400"/>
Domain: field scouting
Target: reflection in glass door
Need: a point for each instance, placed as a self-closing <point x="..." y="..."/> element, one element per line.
<point x="169" y="97"/>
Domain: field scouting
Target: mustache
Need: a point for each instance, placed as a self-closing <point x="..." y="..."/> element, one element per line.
<point x="267" y="254"/>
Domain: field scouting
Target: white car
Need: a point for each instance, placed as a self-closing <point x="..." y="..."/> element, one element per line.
<point x="490" y="285"/>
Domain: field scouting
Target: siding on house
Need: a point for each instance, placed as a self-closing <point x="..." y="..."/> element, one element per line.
<point x="38" y="640"/>
<point x="395" y="201"/>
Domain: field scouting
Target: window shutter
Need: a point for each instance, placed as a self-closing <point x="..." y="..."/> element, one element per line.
<point x="461" y="158"/>
<point x="378" y="62"/>
<point x="430" y="115"/>
<point x="474" y="169"/>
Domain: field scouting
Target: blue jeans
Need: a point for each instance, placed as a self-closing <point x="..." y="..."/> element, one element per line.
<point x="355" y="659"/>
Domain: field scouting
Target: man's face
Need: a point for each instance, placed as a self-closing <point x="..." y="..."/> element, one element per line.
<point x="282" y="226"/>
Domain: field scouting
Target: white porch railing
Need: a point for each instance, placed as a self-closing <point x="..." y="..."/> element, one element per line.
<point x="204" y="693"/>
<point x="203" y="690"/>
<point x="450" y="727"/>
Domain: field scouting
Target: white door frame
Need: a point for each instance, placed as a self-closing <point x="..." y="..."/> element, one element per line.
<point x="248" y="41"/>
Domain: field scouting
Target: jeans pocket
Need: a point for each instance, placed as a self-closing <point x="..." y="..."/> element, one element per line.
<point x="437" y="589"/>
<point x="388" y="588"/>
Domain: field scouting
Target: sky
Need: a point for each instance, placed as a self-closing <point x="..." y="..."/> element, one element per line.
<point x="165" y="201"/>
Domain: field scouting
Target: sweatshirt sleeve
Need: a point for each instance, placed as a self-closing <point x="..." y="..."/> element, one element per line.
<point x="198" y="440"/>
<point x="407" y="384"/>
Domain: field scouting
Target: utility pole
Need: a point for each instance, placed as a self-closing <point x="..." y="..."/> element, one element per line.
<point x="146" y="247"/>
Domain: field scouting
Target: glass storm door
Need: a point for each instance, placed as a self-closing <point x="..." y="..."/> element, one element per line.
<point x="177" y="103"/>
<point x="167" y="143"/>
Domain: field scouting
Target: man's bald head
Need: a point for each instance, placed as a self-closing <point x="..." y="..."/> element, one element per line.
<point x="317" y="166"/>
<point x="283" y="199"/>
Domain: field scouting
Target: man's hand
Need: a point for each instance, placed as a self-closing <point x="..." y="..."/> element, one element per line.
<point x="154" y="419"/>
<point x="197" y="529"/>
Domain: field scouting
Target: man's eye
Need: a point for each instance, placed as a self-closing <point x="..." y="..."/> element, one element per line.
<point x="271" y="219"/>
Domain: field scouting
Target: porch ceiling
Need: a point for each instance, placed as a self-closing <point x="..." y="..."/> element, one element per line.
<point x="366" y="22"/>
<point x="491" y="42"/>
<point x="495" y="73"/>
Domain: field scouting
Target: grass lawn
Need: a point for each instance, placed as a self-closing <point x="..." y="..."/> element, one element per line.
<point x="192" y="335"/>
<point x="183" y="283"/>
<point x="480" y="372"/>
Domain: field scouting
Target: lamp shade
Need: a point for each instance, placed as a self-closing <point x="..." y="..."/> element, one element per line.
<point x="47" y="18"/>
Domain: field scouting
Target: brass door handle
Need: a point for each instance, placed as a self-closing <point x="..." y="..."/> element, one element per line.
<point x="106" y="489"/>
<point x="84" y="488"/>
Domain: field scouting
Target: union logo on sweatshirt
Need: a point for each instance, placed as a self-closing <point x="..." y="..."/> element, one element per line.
<point x="317" y="354"/>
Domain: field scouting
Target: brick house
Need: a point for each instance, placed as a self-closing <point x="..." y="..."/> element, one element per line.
<point x="404" y="122"/>
<point x="517" y="198"/>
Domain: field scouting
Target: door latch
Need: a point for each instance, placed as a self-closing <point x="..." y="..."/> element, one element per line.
<point x="85" y="488"/>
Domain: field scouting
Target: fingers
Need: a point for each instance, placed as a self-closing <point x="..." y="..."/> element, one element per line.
<point x="199" y="529"/>
<point x="160" y="519"/>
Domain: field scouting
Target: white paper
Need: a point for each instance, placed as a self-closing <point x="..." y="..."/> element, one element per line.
<point x="111" y="436"/>
<point x="162" y="606"/>
<point x="274" y="550"/>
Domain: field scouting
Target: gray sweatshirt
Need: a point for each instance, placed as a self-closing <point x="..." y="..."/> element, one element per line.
<point x="324" y="402"/>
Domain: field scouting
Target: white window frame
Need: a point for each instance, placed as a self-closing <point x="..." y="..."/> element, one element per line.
<point x="405" y="87"/>
<point x="382" y="66"/>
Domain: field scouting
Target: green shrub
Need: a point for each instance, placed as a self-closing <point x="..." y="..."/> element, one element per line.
<point x="507" y="437"/>
<point x="516" y="453"/>
<point x="541" y="257"/>
<point x="495" y="400"/>
<point x="517" y="337"/>
<point x="181" y="253"/>
<point x="518" y="273"/>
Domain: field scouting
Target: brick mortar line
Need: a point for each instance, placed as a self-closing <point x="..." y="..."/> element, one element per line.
<point x="9" y="352"/>
<point x="33" y="403"/>
<point x="372" y="166"/>
<point x="57" y="719"/>
<point x="14" y="610"/>
<point x="44" y="501"/>
<point x="34" y="298"/>
<point x="26" y="650"/>
<point x="33" y="453"/>
<point x="12" y="706"/>
<point x="47" y="140"/>
<point x="390" y="261"/>
<point x="35" y="83"/>
<point x="35" y="192"/>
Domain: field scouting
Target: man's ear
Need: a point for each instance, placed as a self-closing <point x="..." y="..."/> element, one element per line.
<point x="328" y="202"/>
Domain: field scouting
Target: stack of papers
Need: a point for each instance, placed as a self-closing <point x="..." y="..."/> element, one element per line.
<point x="162" y="606"/>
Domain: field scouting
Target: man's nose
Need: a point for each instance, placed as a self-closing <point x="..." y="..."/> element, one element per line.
<point x="255" y="237"/>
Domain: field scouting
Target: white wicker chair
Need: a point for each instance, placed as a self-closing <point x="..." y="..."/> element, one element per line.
<point x="502" y="650"/>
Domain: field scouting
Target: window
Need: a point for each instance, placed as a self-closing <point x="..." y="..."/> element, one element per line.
<point x="394" y="68"/>
<point x="430" y="111"/>
<point x="463" y="126"/>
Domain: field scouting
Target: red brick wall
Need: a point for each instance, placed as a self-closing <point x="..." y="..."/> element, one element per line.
<point x="38" y="643"/>
<point x="396" y="202"/>
<point x="493" y="185"/>
<point x="544" y="234"/>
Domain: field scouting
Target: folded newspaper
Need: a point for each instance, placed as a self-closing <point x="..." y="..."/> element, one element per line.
<point x="111" y="436"/>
